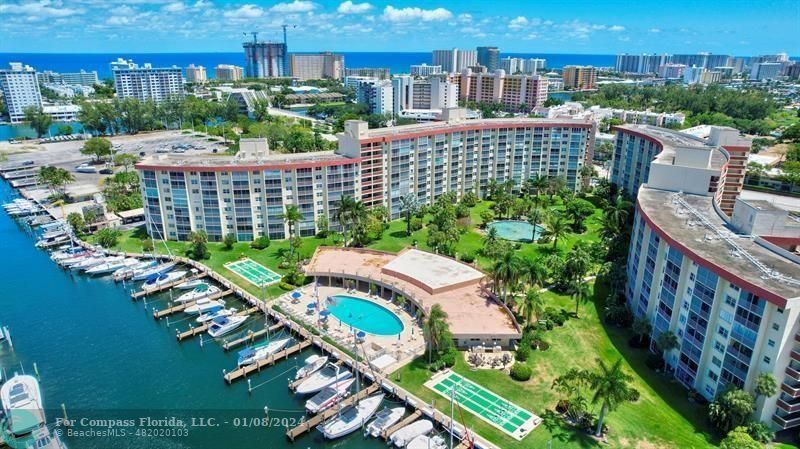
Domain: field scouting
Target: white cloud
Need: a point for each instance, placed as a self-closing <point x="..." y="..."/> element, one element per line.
<point x="616" y="28"/>
<point x="294" y="7"/>
<point x="245" y="12"/>
<point x="654" y="30"/>
<point x="465" y="18"/>
<point x="117" y="20"/>
<point x="349" y="7"/>
<point x="174" y="7"/>
<point x="393" y="14"/>
<point x="39" y="10"/>
<point x="518" y="22"/>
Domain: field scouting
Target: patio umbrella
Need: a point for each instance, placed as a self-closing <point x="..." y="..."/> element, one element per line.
<point x="325" y="312"/>
<point x="296" y="295"/>
<point x="311" y="305"/>
<point x="361" y="334"/>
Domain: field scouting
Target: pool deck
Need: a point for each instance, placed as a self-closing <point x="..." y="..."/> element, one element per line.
<point x="410" y="344"/>
<point x="472" y="312"/>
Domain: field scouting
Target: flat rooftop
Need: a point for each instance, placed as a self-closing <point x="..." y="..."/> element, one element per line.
<point x="686" y="229"/>
<point x="470" y="309"/>
<point x="672" y="140"/>
<point x="431" y="127"/>
<point x="217" y="160"/>
<point x="431" y="270"/>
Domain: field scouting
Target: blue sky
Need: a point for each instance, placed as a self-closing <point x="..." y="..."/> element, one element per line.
<point x="531" y="26"/>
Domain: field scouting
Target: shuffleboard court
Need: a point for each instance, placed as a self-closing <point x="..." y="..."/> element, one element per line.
<point x="495" y="410"/>
<point x="253" y="272"/>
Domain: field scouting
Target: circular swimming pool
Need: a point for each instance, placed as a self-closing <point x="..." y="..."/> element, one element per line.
<point x="364" y="315"/>
<point x="516" y="230"/>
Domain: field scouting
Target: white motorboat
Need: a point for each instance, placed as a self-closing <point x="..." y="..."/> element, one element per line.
<point x="22" y="406"/>
<point x="404" y="435"/>
<point x="189" y="285"/>
<point x="426" y="442"/>
<point x="384" y="420"/>
<point x="126" y="272"/>
<point x="108" y="267"/>
<point x="224" y="325"/>
<point x="70" y="261"/>
<point x="200" y="292"/>
<point x="206" y="317"/>
<point x="146" y="273"/>
<point x="53" y="234"/>
<point x="66" y="254"/>
<point x="159" y="280"/>
<point x="261" y="351"/>
<point x="204" y="306"/>
<point x="103" y="261"/>
<point x="351" y="418"/>
<point x="88" y="262"/>
<point x="311" y="365"/>
<point x="325" y="377"/>
<point x="329" y="396"/>
<point x="52" y="241"/>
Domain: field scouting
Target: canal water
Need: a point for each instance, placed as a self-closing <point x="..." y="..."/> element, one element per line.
<point x="106" y="359"/>
<point x="8" y="131"/>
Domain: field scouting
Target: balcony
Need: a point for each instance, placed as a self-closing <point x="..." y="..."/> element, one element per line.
<point x="796" y="355"/>
<point x="791" y="390"/>
<point x="793" y="373"/>
<point x="787" y="421"/>
<point x="788" y="406"/>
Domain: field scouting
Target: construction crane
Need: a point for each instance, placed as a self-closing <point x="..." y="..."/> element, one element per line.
<point x="255" y="36"/>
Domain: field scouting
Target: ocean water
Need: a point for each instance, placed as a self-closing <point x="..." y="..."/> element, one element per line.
<point x="104" y="357"/>
<point x="397" y="62"/>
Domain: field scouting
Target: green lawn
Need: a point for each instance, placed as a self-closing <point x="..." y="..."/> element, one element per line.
<point x="662" y="418"/>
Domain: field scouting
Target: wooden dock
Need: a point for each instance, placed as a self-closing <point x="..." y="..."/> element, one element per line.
<point x="403" y="422"/>
<point x="204" y="327"/>
<point x="307" y="425"/>
<point x="182" y="306"/>
<point x="161" y="288"/>
<point x="244" y="371"/>
<point x="251" y="337"/>
<point x="9" y="176"/>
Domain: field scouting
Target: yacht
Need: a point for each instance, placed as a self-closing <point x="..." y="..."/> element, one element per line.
<point x="206" y="317"/>
<point x="200" y="292"/>
<point x="52" y="241"/>
<point x="384" y="420"/>
<point x="326" y="376"/>
<point x="261" y="351"/>
<point x="145" y="273"/>
<point x="329" y="396"/>
<point x="403" y="436"/>
<point x="102" y="261"/>
<point x="88" y="262"/>
<point x="426" y="442"/>
<point x="224" y="325"/>
<point x="108" y="267"/>
<point x="204" y="306"/>
<point x="22" y="409"/>
<point x="189" y="285"/>
<point x="126" y="272"/>
<point x="158" y="280"/>
<point x="351" y="418"/>
<point x="70" y="261"/>
<point x="58" y="256"/>
<point x="311" y="365"/>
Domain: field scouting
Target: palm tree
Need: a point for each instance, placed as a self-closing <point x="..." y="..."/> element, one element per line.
<point x="539" y="183"/>
<point x="535" y="216"/>
<point x="490" y="238"/>
<point x="580" y="291"/>
<point x="346" y="205"/>
<point x="765" y="385"/>
<point x="532" y="305"/>
<point x="666" y="342"/>
<point x="535" y="271"/>
<point x="611" y="387"/>
<point x="642" y="327"/>
<point x="291" y="216"/>
<point x="558" y="228"/>
<point x="506" y="271"/>
<point x="618" y="211"/>
<point x="437" y="328"/>
<point x="408" y="205"/>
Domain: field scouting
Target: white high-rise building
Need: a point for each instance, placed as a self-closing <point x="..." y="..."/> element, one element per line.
<point x="455" y="60"/>
<point x="377" y="94"/>
<point x="195" y="74"/>
<point x="146" y="82"/>
<point x="513" y="66"/>
<point x="20" y="90"/>
<point x="82" y="78"/>
<point x="765" y="71"/>
<point x="425" y="70"/>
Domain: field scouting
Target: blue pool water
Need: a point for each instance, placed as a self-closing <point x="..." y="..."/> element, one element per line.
<point x="516" y="230"/>
<point x="365" y="315"/>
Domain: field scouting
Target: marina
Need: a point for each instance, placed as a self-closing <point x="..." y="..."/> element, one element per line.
<point x="337" y="414"/>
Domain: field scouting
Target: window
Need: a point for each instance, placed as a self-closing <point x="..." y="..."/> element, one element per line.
<point x="729" y="300"/>
<point x="719" y="346"/>
<point x="712" y="375"/>
<point x="717" y="362"/>
<point x="722" y="331"/>
<point x="771" y="343"/>
<point x="766" y="360"/>
<point x="775" y="326"/>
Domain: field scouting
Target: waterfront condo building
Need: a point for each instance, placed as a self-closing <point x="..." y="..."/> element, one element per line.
<point x="81" y="78"/>
<point x="265" y="59"/>
<point x="514" y="66"/>
<point x="514" y="92"/>
<point x="20" y="90"/>
<point x="423" y="94"/>
<point x="489" y="57"/>
<point x="640" y="63"/>
<point x="245" y="195"/>
<point x="455" y="60"/>
<point x="425" y="70"/>
<point x="376" y="94"/>
<point x="578" y="77"/>
<point x="728" y="287"/>
<point x="228" y="72"/>
<point x="369" y="72"/>
<point x="763" y="71"/>
<point x="317" y="66"/>
<point x="146" y="82"/>
<point x="195" y="74"/>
